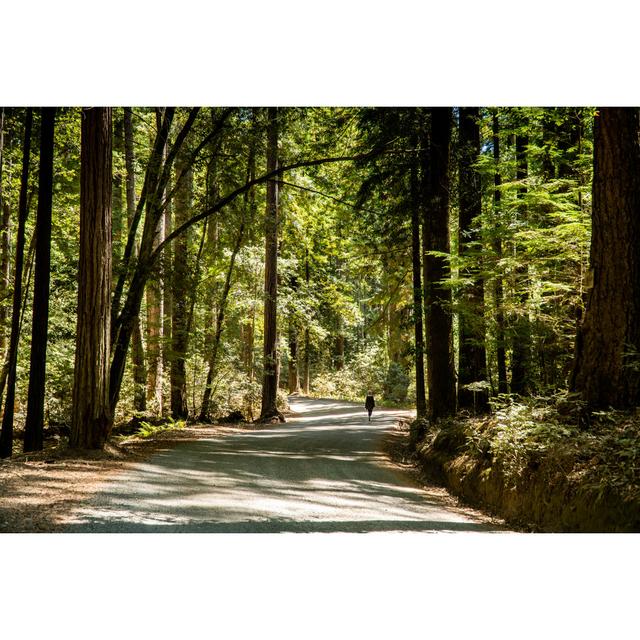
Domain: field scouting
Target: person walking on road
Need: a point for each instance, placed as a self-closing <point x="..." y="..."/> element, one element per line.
<point x="369" y="403"/>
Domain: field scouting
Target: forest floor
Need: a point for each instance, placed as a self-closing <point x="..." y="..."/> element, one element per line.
<point x="38" y="490"/>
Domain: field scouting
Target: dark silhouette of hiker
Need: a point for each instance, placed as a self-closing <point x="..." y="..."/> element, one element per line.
<point x="369" y="403"/>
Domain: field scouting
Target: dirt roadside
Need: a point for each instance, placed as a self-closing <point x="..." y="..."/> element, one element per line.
<point x="37" y="490"/>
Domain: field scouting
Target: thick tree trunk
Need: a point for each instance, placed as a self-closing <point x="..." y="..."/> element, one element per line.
<point x="440" y="364"/>
<point x="421" y="399"/>
<point x="34" y="423"/>
<point x="607" y="366"/>
<point x="92" y="418"/>
<point x="521" y="352"/>
<point x="6" y="436"/>
<point x="137" y="348"/>
<point x="472" y="356"/>
<point x="498" y="290"/>
<point x="180" y="296"/>
<point x="269" y="408"/>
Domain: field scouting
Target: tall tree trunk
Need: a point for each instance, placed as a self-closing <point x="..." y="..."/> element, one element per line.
<point x="6" y="436"/>
<point x="521" y="352"/>
<point x="440" y="368"/>
<point x="155" y="315"/>
<point x="91" y="418"/>
<point x="497" y="247"/>
<point x="34" y="423"/>
<point x="181" y="286"/>
<point x="137" y="348"/>
<point x="421" y="400"/>
<point x="5" y="258"/>
<point x="472" y="357"/>
<point x="607" y="365"/>
<point x="269" y="408"/>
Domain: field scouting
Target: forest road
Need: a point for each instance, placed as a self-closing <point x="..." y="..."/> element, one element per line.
<point x="322" y="471"/>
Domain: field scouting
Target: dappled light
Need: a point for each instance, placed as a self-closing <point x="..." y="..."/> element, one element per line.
<point x="322" y="471"/>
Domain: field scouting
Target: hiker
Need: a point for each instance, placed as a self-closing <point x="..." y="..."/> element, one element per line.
<point x="369" y="403"/>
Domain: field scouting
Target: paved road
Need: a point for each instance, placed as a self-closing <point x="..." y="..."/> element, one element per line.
<point x="320" y="472"/>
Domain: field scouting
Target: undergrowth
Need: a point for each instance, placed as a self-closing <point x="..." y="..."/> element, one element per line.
<point x="147" y="430"/>
<point x="521" y="436"/>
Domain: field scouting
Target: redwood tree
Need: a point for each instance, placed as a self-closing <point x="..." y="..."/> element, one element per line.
<point x="91" y="418"/>
<point x="181" y="285"/>
<point x="472" y="361"/>
<point x="6" y="435"/>
<point x="270" y="375"/>
<point x="34" y="423"/>
<point x="421" y="400"/>
<point x="607" y="364"/>
<point x="440" y="366"/>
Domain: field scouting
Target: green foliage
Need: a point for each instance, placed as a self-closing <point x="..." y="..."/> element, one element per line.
<point x="365" y="371"/>
<point x="148" y="430"/>
<point x="396" y="384"/>
<point x="520" y="438"/>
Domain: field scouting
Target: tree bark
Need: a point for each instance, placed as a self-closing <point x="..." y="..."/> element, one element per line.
<point x="472" y="365"/>
<point x="34" y="423"/>
<point x="421" y="399"/>
<point x="5" y="258"/>
<point x="180" y="299"/>
<point x="440" y="364"/>
<point x="269" y="408"/>
<point x="606" y="369"/>
<point x="137" y="348"/>
<point x="497" y="247"/>
<point x="155" y="307"/>
<point x="92" y="418"/>
<point x="6" y="436"/>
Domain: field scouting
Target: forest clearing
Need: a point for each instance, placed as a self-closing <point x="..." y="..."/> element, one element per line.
<point x="180" y="273"/>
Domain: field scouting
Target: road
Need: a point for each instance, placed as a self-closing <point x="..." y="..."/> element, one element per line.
<point x="322" y="471"/>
